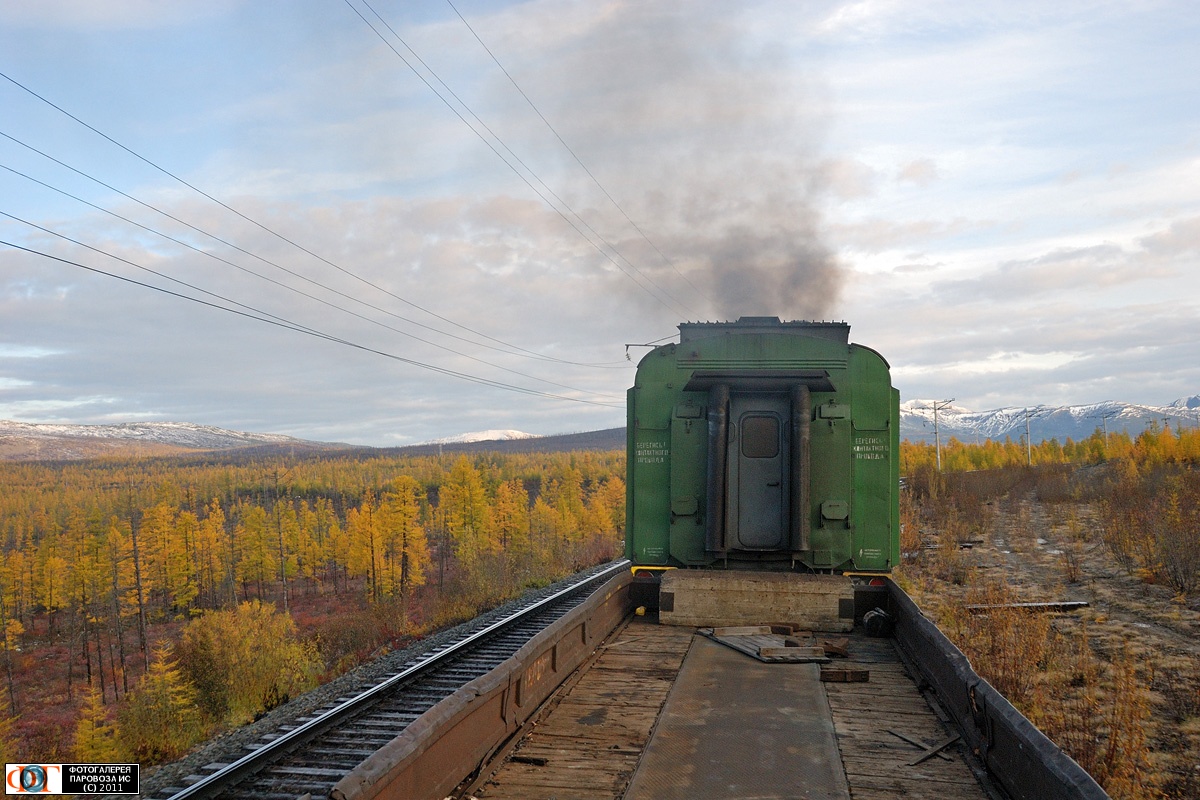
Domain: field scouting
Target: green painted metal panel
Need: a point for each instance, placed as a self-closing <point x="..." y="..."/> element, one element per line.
<point x="689" y="457"/>
<point x="876" y="460"/>
<point x="830" y="478"/>
<point x="853" y="459"/>
<point x="631" y="475"/>
<point x="649" y="458"/>
<point x="652" y="471"/>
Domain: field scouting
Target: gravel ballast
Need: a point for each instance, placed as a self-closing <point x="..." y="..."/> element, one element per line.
<point x="232" y="745"/>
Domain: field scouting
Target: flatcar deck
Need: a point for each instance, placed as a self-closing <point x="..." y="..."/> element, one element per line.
<point x="590" y="741"/>
<point x="868" y="718"/>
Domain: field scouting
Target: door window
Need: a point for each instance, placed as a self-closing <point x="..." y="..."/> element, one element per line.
<point x="760" y="437"/>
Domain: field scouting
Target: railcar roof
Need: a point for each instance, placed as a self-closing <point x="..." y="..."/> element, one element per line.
<point x="833" y="331"/>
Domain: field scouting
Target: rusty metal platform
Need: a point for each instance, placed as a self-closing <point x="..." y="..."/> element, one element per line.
<point x="588" y="744"/>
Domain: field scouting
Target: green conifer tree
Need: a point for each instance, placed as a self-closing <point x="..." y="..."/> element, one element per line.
<point x="160" y="721"/>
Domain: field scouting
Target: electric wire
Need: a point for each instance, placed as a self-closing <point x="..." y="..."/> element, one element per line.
<point x="679" y="307"/>
<point x="289" y="325"/>
<point x="263" y="227"/>
<point x="163" y="275"/>
<point x="293" y="273"/>
<point x="283" y="285"/>
<point x="679" y="304"/>
<point x="578" y="160"/>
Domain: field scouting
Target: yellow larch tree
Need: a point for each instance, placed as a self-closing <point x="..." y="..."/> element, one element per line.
<point x="160" y="719"/>
<point x="121" y="596"/>
<point x="256" y="549"/>
<point x="8" y="739"/>
<point x="311" y="544"/>
<point x="464" y="502"/>
<point x="155" y="534"/>
<point x="406" y="551"/>
<point x="182" y="582"/>
<point x="245" y="660"/>
<point x="333" y="544"/>
<point x="510" y="515"/>
<point x="50" y="578"/>
<point x="364" y="544"/>
<point x="211" y="555"/>
<point x="544" y="532"/>
<point x="95" y="736"/>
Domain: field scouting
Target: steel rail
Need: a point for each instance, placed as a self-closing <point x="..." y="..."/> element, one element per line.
<point x="253" y="762"/>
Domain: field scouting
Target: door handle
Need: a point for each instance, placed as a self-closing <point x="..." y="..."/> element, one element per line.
<point x="772" y="483"/>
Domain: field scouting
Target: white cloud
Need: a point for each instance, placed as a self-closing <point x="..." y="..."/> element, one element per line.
<point x="102" y="15"/>
<point x="25" y="351"/>
<point x="1004" y="363"/>
<point x="981" y="190"/>
<point x="922" y="172"/>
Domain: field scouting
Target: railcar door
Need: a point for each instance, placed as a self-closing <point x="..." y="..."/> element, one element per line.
<point x="759" y="455"/>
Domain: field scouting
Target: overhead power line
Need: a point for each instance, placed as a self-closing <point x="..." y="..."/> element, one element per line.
<point x="277" y="283"/>
<point x="264" y="317"/>
<point x="265" y="228"/>
<point x="269" y="262"/>
<point x="575" y="156"/>
<point x="653" y="289"/>
<point x="163" y="275"/>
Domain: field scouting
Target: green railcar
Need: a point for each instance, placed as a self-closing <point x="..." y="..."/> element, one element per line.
<point x="762" y="444"/>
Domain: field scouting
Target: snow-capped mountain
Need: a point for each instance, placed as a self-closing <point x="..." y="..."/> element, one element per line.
<point x="1044" y="422"/>
<point x="1187" y="402"/>
<point x="484" y="436"/>
<point x="21" y="440"/>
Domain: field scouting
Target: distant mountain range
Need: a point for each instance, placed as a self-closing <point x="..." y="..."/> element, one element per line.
<point x="517" y="442"/>
<point x="24" y="441"/>
<point x="482" y="436"/>
<point x="1045" y="422"/>
<point x="52" y="442"/>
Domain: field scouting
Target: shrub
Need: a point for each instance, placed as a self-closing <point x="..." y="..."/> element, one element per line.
<point x="351" y="637"/>
<point x="1005" y="645"/>
<point x="245" y="661"/>
<point x="1071" y="558"/>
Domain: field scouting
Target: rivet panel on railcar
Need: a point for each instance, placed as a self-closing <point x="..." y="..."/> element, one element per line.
<point x="762" y="444"/>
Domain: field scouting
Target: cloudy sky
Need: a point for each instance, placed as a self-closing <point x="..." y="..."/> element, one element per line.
<point x="404" y="220"/>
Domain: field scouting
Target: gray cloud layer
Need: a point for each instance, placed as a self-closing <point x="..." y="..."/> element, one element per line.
<point x="921" y="173"/>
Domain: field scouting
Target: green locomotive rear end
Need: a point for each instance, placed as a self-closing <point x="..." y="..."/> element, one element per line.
<point x="763" y="445"/>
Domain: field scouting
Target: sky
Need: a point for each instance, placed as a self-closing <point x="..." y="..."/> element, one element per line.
<point x="387" y="221"/>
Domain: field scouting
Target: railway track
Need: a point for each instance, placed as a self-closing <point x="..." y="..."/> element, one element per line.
<point x="311" y="757"/>
<point x="446" y="720"/>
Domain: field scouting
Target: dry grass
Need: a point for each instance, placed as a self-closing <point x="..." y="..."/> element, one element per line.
<point x="1117" y="685"/>
<point x="1006" y="645"/>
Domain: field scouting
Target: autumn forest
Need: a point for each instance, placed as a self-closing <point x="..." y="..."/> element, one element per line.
<point x="130" y="591"/>
<point x="147" y="604"/>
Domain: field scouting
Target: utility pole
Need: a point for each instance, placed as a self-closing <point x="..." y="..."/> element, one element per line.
<point x="1028" y="440"/>
<point x="1104" y="421"/>
<point x="937" y="406"/>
